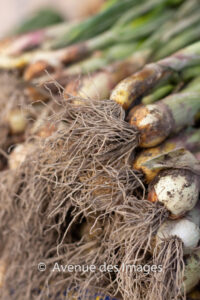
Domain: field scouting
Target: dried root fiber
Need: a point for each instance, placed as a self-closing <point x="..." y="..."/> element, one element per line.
<point x="168" y="284"/>
<point x="79" y="173"/>
<point x="78" y="202"/>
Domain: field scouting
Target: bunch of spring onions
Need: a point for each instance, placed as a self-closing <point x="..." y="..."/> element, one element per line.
<point x="172" y="172"/>
<point x="162" y="103"/>
<point x="173" y="28"/>
<point x="174" y="185"/>
<point x="119" y="59"/>
<point x="72" y="31"/>
<point x="133" y="21"/>
<point x="131" y="25"/>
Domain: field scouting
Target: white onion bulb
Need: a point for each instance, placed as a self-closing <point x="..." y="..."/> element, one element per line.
<point x="18" y="155"/>
<point x="17" y="121"/>
<point x="187" y="231"/>
<point x="178" y="190"/>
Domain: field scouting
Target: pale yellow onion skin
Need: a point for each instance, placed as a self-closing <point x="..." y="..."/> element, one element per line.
<point x="187" y="231"/>
<point x="121" y="95"/>
<point x="7" y="62"/>
<point x="93" y="87"/>
<point x="123" y="91"/>
<point x="96" y="87"/>
<point x="153" y="123"/>
<point x="177" y="189"/>
<point x="18" y="155"/>
<point x="17" y="121"/>
<point x="147" y="154"/>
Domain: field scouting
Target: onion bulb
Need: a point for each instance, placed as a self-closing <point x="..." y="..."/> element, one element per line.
<point x="189" y="140"/>
<point x="155" y="122"/>
<point x="174" y="241"/>
<point x="187" y="231"/>
<point x="18" y="155"/>
<point x="176" y="189"/>
<point x="17" y="121"/>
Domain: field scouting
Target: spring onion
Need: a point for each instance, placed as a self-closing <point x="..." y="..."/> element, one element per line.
<point x="137" y="85"/>
<point x="189" y="139"/>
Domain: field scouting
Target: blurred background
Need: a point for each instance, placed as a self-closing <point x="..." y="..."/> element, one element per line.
<point x="12" y="12"/>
